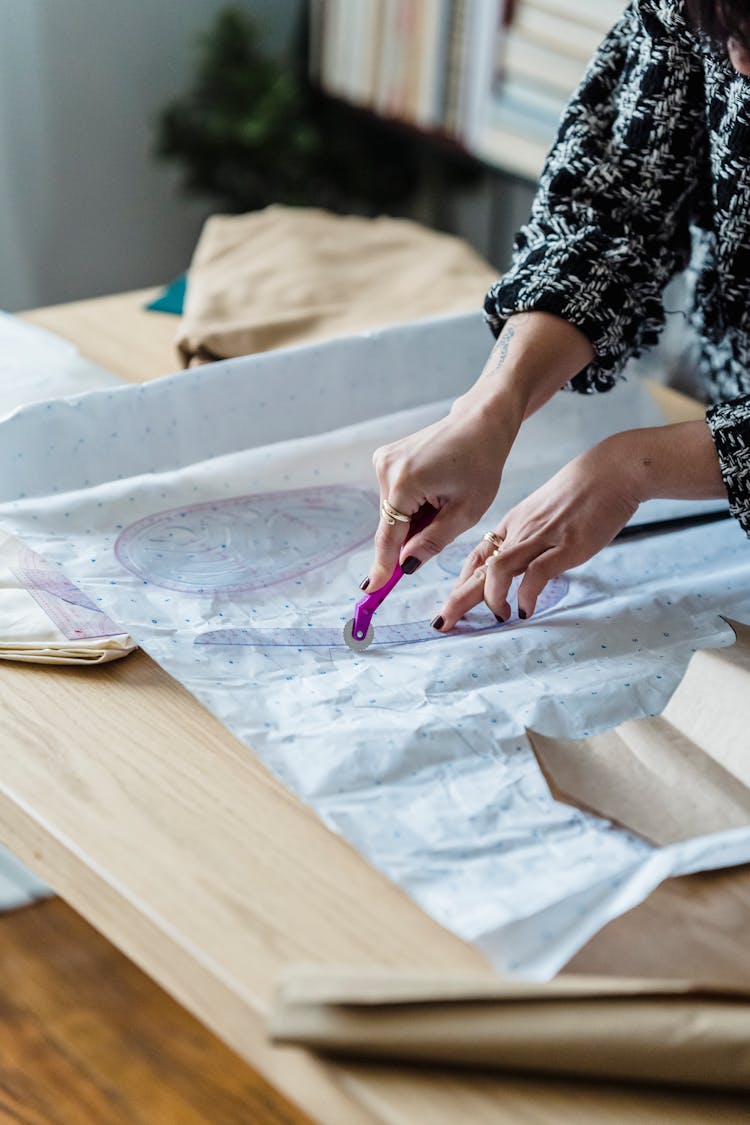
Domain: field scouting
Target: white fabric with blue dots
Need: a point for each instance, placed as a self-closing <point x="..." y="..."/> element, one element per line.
<point x="238" y="500"/>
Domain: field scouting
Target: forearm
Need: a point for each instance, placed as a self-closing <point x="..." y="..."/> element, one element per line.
<point x="534" y="356"/>
<point x="677" y="462"/>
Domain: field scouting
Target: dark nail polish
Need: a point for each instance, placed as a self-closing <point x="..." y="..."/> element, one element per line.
<point x="438" y="622"/>
<point x="364" y="583"/>
<point x="410" y="565"/>
<point x="500" y="620"/>
<point x="522" y="614"/>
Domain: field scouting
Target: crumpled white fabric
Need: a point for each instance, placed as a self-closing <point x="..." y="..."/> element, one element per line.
<point x="36" y="365"/>
<point x="415" y="752"/>
<point x="18" y="885"/>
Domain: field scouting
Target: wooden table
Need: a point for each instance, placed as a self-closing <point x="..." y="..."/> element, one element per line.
<point x="171" y="838"/>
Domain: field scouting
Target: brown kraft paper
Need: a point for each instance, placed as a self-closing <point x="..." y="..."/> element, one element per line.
<point x="682" y="774"/>
<point x="671" y="1032"/>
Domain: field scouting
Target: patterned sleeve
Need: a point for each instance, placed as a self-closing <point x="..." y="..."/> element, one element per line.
<point x="610" y="222"/>
<point x="729" y="423"/>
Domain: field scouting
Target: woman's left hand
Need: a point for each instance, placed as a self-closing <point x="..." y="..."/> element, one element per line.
<point x="581" y="509"/>
<point x="561" y="525"/>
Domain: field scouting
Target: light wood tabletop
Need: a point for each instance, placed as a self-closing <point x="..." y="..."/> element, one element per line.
<point x="173" y="840"/>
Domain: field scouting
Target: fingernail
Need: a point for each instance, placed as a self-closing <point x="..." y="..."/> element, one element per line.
<point x="438" y="622"/>
<point x="522" y="614"/>
<point x="364" y="583"/>
<point x="410" y="565"/>
<point x="499" y="619"/>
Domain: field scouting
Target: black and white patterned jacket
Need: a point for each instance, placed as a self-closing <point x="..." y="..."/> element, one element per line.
<point x="651" y="164"/>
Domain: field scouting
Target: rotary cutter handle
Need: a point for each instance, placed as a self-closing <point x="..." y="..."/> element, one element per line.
<point x="358" y="631"/>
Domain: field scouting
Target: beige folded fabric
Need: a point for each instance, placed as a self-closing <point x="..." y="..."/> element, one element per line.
<point x="289" y="275"/>
<point x="620" y="1029"/>
<point x="44" y="619"/>
<point x="71" y="652"/>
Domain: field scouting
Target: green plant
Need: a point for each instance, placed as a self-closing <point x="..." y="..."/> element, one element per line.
<point x="250" y="132"/>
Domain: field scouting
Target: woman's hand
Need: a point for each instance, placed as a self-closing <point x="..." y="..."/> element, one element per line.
<point x="455" y="465"/>
<point x="559" y="526"/>
<point x="580" y="510"/>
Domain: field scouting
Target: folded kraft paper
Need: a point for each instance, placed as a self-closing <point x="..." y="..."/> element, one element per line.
<point x="672" y="1032"/>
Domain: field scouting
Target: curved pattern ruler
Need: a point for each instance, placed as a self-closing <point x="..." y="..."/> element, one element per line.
<point x="223" y="548"/>
<point x="412" y="632"/>
<point x="68" y="608"/>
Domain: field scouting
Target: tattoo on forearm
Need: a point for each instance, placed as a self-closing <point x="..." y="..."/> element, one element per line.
<point x="500" y="350"/>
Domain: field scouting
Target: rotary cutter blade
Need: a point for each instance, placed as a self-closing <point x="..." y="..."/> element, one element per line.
<point x="358" y="644"/>
<point x="358" y="632"/>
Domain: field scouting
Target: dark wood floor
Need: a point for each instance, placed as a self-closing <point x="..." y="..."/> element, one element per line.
<point x="87" y="1039"/>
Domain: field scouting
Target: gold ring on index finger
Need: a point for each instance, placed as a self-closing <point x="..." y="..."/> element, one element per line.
<point x="392" y="515"/>
<point x="495" y="540"/>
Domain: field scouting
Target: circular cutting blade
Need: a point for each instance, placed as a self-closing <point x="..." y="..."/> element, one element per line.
<point x="357" y="644"/>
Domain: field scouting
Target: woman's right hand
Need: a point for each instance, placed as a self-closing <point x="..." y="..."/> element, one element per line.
<point x="454" y="465"/>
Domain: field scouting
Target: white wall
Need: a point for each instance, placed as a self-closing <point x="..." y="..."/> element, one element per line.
<point x="84" y="207"/>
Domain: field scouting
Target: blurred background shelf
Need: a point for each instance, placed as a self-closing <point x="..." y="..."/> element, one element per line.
<point x="437" y="110"/>
<point x="493" y="75"/>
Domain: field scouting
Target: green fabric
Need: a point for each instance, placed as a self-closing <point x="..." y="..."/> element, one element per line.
<point x="172" y="297"/>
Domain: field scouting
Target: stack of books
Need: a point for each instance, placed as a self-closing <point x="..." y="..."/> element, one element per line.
<point x="390" y="56"/>
<point x="539" y="62"/>
<point x="494" y="75"/>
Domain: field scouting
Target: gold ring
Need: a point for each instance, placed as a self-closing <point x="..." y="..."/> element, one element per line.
<point x="391" y="514"/>
<point x="490" y="537"/>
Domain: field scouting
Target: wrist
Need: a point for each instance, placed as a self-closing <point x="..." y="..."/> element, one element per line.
<point x="501" y="396"/>
<point x="677" y="462"/>
<point x="496" y="412"/>
<point x="534" y="356"/>
<point x="626" y="455"/>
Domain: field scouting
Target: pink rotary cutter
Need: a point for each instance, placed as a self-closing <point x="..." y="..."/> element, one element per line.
<point x="358" y="631"/>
